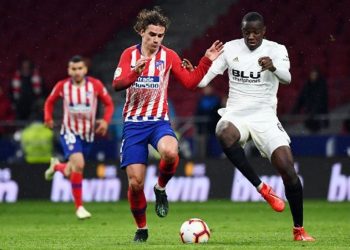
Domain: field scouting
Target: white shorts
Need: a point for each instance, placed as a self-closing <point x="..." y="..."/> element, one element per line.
<point x="263" y="128"/>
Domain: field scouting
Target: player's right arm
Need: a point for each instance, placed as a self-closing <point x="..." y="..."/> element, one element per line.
<point x="50" y="102"/>
<point x="124" y="76"/>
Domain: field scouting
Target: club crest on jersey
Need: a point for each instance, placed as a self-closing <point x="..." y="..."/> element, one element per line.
<point x="147" y="82"/>
<point x="159" y="64"/>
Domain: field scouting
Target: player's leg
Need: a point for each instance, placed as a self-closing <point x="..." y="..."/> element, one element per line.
<point x="168" y="150"/>
<point x="134" y="155"/>
<point x="137" y="199"/>
<point x="229" y="137"/>
<point x="76" y="163"/>
<point x="282" y="160"/>
<point x="164" y="140"/>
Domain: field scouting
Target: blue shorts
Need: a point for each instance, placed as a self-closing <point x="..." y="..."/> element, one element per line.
<point x="72" y="143"/>
<point x="137" y="136"/>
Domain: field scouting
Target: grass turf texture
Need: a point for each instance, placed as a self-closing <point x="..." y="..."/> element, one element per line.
<point x="46" y="225"/>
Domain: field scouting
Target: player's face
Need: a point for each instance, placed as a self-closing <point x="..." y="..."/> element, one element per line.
<point x="253" y="33"/>
<point x="77" y="71"/>
<point x="152" y="37"/>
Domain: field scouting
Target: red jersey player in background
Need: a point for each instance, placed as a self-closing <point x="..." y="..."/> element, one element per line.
<point x="144" y="71"/>
<point x="80" y="95"/>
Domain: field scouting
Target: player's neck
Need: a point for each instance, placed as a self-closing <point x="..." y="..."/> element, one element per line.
<point x="81" y="83"/>
<point x="147" y="52"/>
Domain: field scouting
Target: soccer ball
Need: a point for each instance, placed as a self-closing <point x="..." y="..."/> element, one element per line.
<point x="194" y="231"/>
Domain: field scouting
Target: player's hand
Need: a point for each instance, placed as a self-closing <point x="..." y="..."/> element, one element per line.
<point x="49" y="124"/>
<point x="187" y="64"/>
<point x="102" y="127"/>
<point x="140" y="65"/>
<point x="215" y="50"/>
<point x="266" y="63"/>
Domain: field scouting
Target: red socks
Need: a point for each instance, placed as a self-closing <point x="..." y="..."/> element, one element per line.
<point x="166" y="171"/>
<point x="76" y="181"/>
<point x="138" y="205"/>
<point x="60" y="167"/>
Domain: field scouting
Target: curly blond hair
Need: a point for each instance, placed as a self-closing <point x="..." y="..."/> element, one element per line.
<point x="148" y="17"/>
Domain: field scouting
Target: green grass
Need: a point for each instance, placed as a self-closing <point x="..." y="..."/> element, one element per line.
<point x="46" y="225"/>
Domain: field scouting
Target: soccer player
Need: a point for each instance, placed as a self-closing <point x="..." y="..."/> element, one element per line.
<point x="255" y="68"/>
<point x="80" y="94"/>
<point x="144" y="71"/>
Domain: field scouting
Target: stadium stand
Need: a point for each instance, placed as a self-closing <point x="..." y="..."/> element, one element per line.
<point x="50" y="32"/>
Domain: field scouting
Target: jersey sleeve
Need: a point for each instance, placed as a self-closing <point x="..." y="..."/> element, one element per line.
<point x="282" y="65"/>
<point x="124" y="76"/>
<point x="50" y="101"/>
<point x="190" y="79"/>
<point x="281" y="58"/>
<point x="106" y="99"/>
<point x="219" y="65"/>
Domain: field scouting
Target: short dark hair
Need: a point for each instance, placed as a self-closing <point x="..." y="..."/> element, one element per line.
<point x="253" y="16"/>
<point x="148" y="17"/>
<point x="76" y="58"/>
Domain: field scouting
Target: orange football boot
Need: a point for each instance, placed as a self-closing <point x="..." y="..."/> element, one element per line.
<point x="269" y="195"/>
<point x="301" y="235"/>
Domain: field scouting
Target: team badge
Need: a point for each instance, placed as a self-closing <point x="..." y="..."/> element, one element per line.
<point x="236" y="59"/>
<point x="159" y="65"/>
<point x="117" y="72"/>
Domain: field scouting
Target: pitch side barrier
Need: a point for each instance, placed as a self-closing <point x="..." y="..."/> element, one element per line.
<point x="195" y="180"/>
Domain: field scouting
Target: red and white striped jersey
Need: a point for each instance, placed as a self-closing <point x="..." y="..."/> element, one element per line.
<point x="146" y="96"/>
<point x="79" y="106"/>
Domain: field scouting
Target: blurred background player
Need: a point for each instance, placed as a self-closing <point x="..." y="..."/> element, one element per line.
<point x="144" y="71"/>
<point x="80" y="95"/>
<point x="255" y="68"/>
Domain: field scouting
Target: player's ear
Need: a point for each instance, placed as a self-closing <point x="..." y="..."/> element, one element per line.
<point x="142" y="32"/>
<point x="85" y="70"/>
<point x="264" y="30"/>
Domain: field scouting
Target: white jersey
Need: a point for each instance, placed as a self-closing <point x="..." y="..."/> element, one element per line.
<point x="250" y="88"/>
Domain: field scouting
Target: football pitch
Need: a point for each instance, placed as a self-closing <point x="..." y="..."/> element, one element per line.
<point x="46" y="225"/>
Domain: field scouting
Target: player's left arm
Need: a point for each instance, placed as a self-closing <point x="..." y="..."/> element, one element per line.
<point x="103" y="95"/>
<point x="190" y="79"/>
<point x="279" y="64"/>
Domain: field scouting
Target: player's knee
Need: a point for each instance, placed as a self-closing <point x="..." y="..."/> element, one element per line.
<point x="170" y="155"/>
<point x="78" y="167"/>
<point x="226" y="134"/>
<point x="135" y="184"/>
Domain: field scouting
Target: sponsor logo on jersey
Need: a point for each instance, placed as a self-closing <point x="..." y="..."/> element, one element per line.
<point x="243" y="76"/>
<point x="79" y="108"/>
<point x="147" y="82"/>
